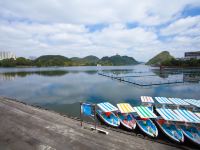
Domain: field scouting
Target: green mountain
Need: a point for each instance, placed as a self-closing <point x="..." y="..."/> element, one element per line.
<point x="52" y="60"/>
<point x="86" y="61"/>
<point x="117" y="60"/>
<point x="158" y="59"/>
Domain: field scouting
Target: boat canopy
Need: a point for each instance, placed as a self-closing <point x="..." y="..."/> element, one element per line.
<point x="163" y="100"/>
<point x="197" y="114"/>
<point x="187" y="116"/>
<point x="107" y="107"/>
<point x="144" y="112"/>
<point x="178" y="101"/>
<point x="193" y="102"/>
<point x="147" y="99"/>
<point x="125" y="108"/>
<point x="168" y="114"/>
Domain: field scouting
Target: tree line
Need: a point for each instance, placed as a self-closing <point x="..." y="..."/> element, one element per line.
<point x="181" y="63"/>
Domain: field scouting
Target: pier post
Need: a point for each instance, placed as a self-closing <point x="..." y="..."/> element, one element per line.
<point x="81" y="114"/>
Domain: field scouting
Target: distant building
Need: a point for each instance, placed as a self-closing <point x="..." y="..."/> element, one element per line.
<point x="190" y="55"/>
<point x="7" y="55"/>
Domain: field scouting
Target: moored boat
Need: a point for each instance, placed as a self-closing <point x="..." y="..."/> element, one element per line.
<point x="170" y="130"/>
<point x="167" y="125"/>
<point x="126" y="118"/>
<point x="142" y="116"/>
<point x="191" y="133"/>
<point x="105" y="113"/>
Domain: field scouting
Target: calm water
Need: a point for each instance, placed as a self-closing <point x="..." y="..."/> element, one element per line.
<point x="61" y="89"/>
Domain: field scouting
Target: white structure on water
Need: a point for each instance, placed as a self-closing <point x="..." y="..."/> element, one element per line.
<point x="7" y="55"/>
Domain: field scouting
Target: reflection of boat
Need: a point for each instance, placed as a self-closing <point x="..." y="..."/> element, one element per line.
<point x="143" y="121"/>
<point x="191" y="133"/>
<point x="126" y="118"/>
<point x="105" y="113"/>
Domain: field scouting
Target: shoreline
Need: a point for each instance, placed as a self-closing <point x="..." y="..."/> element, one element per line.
<point x="17" y="115"/>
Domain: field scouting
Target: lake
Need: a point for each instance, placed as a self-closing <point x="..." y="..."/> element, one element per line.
<point x="62" y="88"/>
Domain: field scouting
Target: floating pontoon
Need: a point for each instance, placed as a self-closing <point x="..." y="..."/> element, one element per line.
<point x="143" y="121"/>
<point x="105" y="112"/>
<point x="126" y="118"/>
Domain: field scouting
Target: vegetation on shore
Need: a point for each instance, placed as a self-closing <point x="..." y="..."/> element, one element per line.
<point x="181" y="63"/>
<point x="165" y="59"/>
<point x="160" y="58"/>
<point x="58" y="60"/>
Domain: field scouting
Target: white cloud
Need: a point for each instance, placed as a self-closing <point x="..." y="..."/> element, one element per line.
<point x="59" y="27"/>
<point x="184" y="26"/>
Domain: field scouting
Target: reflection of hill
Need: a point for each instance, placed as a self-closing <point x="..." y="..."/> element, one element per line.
<point x="42" y="73"/>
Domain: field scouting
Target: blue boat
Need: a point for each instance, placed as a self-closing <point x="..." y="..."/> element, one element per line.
<point x="148" y="127"/>
<point x="144" y="122"/>
<point x="170" y="130"/>
<point x="191" y="133"/>
<point x="126" y="118"/>
<point x="107" y="115"/>
<point x="165" y="122"/>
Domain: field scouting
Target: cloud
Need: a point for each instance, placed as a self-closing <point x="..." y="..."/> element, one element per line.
<point x="189" y="26"/>
<point x="98" y="27"/>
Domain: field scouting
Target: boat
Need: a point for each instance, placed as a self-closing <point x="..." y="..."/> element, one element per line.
<point x="142" y="115"/>
<point x="126" y="118"/>
<point x="166" y="124"/>
<point x="106" y="113"/>
<point x="190" y="127"/>
<point x="191" y="133"/>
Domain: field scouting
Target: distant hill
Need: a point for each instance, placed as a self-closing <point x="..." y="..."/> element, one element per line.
<point x="52" y="60"/>
<point x="158" y="59"/>
<point x="86" y="61"/>
<point x="117" y="60"/>
<point x="58" y="60"/>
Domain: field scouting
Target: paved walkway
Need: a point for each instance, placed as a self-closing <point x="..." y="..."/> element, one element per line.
<point x="24" y="127"/>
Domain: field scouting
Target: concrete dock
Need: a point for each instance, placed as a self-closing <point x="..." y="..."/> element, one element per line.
<point x="24" y="127"/>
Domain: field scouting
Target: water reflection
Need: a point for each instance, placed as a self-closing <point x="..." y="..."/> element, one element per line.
<point x="61" y="89"/>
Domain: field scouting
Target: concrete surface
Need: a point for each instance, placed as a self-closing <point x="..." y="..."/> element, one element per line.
<point x="24" y="127"/>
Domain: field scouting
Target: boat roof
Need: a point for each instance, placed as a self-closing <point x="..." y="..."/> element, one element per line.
<point x="178" y="101"/>
<point x="168" y="114"/>
<point x="197" y="114"/>
<point x="125" y="108"/>
<point x="163" y="100"/>
<point x="147" y="99"/>
<point x="193" y="102"/>
<point x="107" y="107"/>
<point x="144" y="112"/>
<point x="187" y="116"/>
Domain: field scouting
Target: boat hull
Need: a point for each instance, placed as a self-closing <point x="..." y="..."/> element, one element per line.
<point x="169" y="131"/>
<point x="192" y="134"/>
<point x="128" y="123"/>
<point x="148" y="127"/>
<point x="112" y="121"/>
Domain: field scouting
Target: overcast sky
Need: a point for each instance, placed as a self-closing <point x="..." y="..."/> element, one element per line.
<point x="76" y="28"/>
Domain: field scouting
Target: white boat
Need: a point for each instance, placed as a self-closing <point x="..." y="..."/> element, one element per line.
<point x="167" y="126"/>
<point x="170" y="130"/>
<point x="105" y="113"/>
<point x="191" y="133"/>
<point x="142" y="116"/>
<point x="126" y="118"/>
